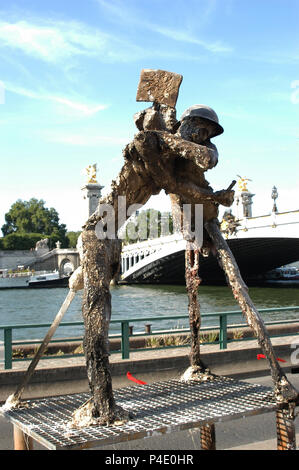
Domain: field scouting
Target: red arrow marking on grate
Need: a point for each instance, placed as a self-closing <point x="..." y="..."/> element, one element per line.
<point x="262" y="356"/>
<point x="130" y="377"/>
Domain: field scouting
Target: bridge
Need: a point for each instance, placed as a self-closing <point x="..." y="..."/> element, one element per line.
<point x="57" y="259"/>
<point x="41" y="260"/>
<point x="259" y="245"/>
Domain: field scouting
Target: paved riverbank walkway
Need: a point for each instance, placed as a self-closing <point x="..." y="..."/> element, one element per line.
<point x="152" y="354"/>
<point x="240" y="357"/>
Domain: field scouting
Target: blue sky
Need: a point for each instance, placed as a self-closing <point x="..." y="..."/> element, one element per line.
<point x="70" y="69"/>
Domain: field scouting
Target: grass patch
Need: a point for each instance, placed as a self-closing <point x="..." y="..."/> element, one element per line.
<point x="179" y="340"/>
<point x="212" y="337"/>
<point x="167" y="340"/>
<point x="238" y="334"/>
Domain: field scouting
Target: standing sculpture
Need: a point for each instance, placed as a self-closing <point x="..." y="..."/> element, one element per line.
<point x="171" y="155"/>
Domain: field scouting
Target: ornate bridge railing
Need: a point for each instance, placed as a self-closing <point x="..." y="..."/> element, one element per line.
<point x="141" y="253"/>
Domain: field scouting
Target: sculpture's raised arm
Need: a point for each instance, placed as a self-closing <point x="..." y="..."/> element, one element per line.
<point x="157" y="160"/>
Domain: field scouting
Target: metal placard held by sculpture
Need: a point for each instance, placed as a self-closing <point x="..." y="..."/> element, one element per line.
<point x="159" y="86"/>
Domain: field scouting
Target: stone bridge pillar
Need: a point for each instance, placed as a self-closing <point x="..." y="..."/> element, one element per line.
<point x="92" y="193"/>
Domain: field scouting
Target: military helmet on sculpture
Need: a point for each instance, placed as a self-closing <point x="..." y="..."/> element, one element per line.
<point x="204" y="112"/>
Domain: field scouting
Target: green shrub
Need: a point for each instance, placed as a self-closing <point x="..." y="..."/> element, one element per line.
<point x="26" y="241"/>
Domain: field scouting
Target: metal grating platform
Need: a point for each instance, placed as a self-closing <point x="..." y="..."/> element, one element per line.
<point x="162" y="407"/>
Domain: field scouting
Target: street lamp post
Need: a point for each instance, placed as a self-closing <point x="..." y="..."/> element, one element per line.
<point x="274" y="196"/>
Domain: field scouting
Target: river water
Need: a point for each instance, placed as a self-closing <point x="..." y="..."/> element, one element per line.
<point x="27" y="306"/>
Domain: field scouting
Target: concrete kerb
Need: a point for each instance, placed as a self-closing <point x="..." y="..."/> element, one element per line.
<point x="63" y="376"/>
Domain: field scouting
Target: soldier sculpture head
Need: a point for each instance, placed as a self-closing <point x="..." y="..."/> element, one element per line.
<point x="199" y="124"/>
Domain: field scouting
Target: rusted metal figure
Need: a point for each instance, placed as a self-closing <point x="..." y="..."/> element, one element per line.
<point x="171" y="155"/>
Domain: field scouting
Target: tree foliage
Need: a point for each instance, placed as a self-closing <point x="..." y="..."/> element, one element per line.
<point x="72" y="239"/>
<point x="24" y="241"/>
<point x="32" y="218"/>
<point x="148" y="224"/>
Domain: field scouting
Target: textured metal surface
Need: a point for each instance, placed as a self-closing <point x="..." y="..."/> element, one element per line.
<point x="208" y="437"/>
<point x="286" y="432"/>
<point x="162" y="407"/>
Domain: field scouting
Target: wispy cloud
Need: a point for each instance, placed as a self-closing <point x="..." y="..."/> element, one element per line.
<point x="273" y="57"/>
<point x="85" y="139"/>
<point x="83" y="108"/>
<point x="57" y="42"/>
<point x="49" y="41"/>
<point x="78" y="107"/>
<point x="183" y="34"/>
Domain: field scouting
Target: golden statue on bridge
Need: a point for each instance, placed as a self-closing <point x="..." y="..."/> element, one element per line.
<point x="91" y="172"/>
<point x="242" y="183"/>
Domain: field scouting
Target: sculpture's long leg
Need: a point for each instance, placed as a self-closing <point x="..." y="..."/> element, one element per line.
<point x="284" y="390"/>
<point x="197" y="369"/>
<point x="192" y="283"/>
<point x="100" y="259"/>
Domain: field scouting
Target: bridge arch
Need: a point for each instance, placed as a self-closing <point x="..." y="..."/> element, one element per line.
<point x="66" y="260"/>
<point x="259" y="245"/>
<point x="66" y="266"/>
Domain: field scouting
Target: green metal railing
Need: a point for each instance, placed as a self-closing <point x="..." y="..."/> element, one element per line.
<point x="125" y="334"/>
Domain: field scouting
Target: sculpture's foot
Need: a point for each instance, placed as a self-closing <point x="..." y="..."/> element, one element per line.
<point x="85" y="416"/>
<point x="285" y="392"/>
<point x="13" y="402"/>
<point x="197" y="373"/>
